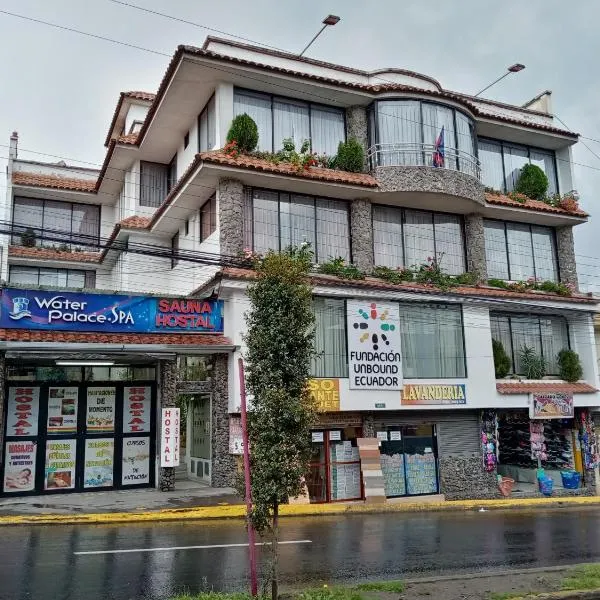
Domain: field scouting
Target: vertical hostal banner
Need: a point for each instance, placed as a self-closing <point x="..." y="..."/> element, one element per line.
<point x="169" y="438"/>
<point x="136" y="409"/>
<point x="374" y="347"/>
<point x="23" y="411"/>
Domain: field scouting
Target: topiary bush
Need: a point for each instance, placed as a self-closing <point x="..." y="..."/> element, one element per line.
<point x="28" y="238"/>
<point x="350" y="156"/>
<point x="570" y="368"/>
<point x="501" y="360"/>
<point x="244" y="131"/>
<point x="532" y="182"/>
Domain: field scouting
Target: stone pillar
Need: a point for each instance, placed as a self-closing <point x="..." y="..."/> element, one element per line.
<point x="361" y="230"/>
<point x="223" y="463"/>
<point x="2" y="401"/>
<point x="356" y="127"/>
<point x="565" y="246"/>
<point x="463" y="477"/>
<point x="475" y="243"/>
<point x="168" y="398"/>
<point x="368" y="426"/>
<point x="231" y="217"/>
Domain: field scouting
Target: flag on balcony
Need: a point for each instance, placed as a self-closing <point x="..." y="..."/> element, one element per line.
<point x="438" y="151"/>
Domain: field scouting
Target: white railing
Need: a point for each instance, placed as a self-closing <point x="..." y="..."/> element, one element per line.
<point x="421" y="155"/>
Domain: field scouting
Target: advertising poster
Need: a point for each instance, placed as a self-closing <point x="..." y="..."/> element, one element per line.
<point x="23" y="411"/>
<point x="60" y="465"/>
<point x="236" y="438"/>
<point x="62" y="409"/>
<point x="169" y="437"/>
<point x="98" y="463"/>
<point x="136" y="461"/>
<point x="137" y="404"/>
<point x="325" y="394"/>
<point x="100" y="409"/>
<point x="552" y="406"/>
<point x="374" y="347"/>
<point x="19" y="472"/>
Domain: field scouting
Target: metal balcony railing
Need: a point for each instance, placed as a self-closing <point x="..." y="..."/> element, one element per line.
<point x="421" y="155"/>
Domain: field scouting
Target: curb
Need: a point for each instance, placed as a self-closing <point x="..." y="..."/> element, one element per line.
<point x="565" y="595"/>
<point x="238" y="511"/>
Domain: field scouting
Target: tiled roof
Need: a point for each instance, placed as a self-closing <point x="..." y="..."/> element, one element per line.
<point x="537" y="205"/>
<point x="378" y="284"/>
<point x="130" y="138"/>
<point x="51" y="254"/>
<point x="53" y="181"/>
<point x="550" y="387"/>
<point x="259" y="164"/>
<point x="138" y="95"/>
<point x="187" y="339"/>
<point x="135" y="222"/>
<point x="135" y="95"/>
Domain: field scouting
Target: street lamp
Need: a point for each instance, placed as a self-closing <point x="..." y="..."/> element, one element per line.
<point x="512" y="69"/>
<point x="329" y="20"/>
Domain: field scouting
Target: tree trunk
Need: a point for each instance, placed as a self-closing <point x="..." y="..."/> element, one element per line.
<point x="275" y="550"/>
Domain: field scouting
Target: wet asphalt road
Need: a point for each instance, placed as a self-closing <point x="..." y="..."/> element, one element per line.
<point x="42" y="562"/>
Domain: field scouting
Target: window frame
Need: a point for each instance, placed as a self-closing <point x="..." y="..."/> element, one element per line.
<point x="85" y="272"/>
<point x="507" y="248"/>
<point x="205" y="109"/>
<point x="529" y="149"/>
<point x="174" y="249"/>
<point x="309" y="104"/>
<point x="212" y="217"/>
<point x="171" y="174"/>
<point x="345" y="319"/>
<point x="167" y="168"/>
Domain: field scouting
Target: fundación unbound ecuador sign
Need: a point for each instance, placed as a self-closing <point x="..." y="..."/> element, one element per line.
<point x="374" y="345"/>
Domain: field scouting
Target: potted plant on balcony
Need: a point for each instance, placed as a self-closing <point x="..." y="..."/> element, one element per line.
<point x="532" y="182"/>
<point x="28" y="238"/>
<point x="350" y="156"/>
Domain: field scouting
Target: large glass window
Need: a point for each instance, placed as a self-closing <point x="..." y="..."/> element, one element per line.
<point x="63" y="278"/>
<point x="501" y="164"/>
<point x="518" y="251"/>
<point x="207" y="128"/>
<point x="404" y="238"/>
<point x="331" y="358"/>
<point x="208" y="218"/>
<point x="432" y="341"/>
<point x="154" y="183"/>
<point x="279" y="118"/>
<point x="546" y="335"/>
<point x="56" y="223"/>
<point x="280" y="220"/>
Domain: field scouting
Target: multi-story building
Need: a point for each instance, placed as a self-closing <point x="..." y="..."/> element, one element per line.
<point x="405" y="374"/>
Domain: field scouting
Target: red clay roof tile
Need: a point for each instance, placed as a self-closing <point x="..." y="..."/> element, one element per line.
<point x="51" y="254"/>
<point x="139" y="95"/>
<point x="135" y="222"/>
<point x="550" y="387"/>
<point x="53" y="181"/>
<point x="136" y="95"/>
<point x="537" y="205"/>
<point x="129" y="139"/>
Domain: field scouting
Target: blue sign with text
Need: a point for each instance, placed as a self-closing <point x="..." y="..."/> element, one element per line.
<point x="72" y="311"/>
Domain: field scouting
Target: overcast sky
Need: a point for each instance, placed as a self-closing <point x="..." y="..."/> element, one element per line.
<point x="59" y="88"/>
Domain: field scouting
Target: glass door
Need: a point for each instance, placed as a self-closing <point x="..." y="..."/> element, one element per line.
<point x="317" y="480"/>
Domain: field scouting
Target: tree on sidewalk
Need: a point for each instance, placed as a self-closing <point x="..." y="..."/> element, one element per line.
<point x="279" y="341"/>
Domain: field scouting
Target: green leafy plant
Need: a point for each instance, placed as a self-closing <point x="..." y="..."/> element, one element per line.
<point x="532" y="363"/>
<point x="302" y="160"/>
<point x="518" y="197"/>
<point x="393" y="586"/>
<point x="393" y="275"/>
<point x="244" y="131"/>
<point x="28" y="238"/>
<point x="339" y="267"/>
<point x="431" y="273"/>
<point x="532" y="182"/>
<point x="498" y="283"/>
<point x="280" y="348"/>
<point x="560" y="288"/>
<point x="350" y="156"/>
<point x="330" y="593"/>
<point x="466" y="279"/>
<point x="492" y="191"/>
<point x="569" y="365"/>
<point x="501" y="360"/>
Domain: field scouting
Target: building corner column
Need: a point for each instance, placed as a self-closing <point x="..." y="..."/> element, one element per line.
<point x="361" y="231"/>
<point x="356" y="127"/>
<point x="565" y="248"/>
<point x="475" y="244"/>
<point x="223" y="463"/>
<point x="168" y="398"/>
<point x="230" y="201"/>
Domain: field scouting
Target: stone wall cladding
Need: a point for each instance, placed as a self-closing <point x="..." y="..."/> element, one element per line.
<point x="475" y="243"/>
<point x="231" y="216"/>
<point x="356" y="127"/>
<point x="463" y="477"/>
<point x="565" y="247"/>
<point x="168" y="398"/>
<point x="361" y="226"/>
<point x="223" y="463"/>
<point x="429" y="179"/>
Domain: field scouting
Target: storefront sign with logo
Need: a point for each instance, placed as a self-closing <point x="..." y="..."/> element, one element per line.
<point x="325" y="394"/>
<point x="236" y="439"/>
<point x="60" y="464"/>
<point x="551" y="406"/>
<point x="169" y="437"/>
<point x="98" y="463"/>
<point x="136" y="461"/>
<point x="424" y="394"/>
<point x="23" y="411"/>
<point x="62" y="409"/>
<point x="72" y="311"/>
<point x="374" y="345"/>
<point x="137" y="403"/>
<point x="101" y="409"/>
<point x="19" y="472"/>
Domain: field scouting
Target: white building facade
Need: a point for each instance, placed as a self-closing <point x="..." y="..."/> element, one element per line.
<point x="169" y="216"/>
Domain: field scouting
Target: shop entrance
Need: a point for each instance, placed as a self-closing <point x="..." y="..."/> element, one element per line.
<point x="199" y="442"/>
<point x="409" y="460"/>
<point x="71" y="436"/>
<point x="334" y="474"/>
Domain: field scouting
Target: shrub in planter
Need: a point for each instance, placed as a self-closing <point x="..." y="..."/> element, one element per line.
<point x="28" y="238"/>
<point x="570" y="368"/>
<point x="350" y="156"/>
<point x="532" y="182"/>
<point x="534" y="365"/>
<point x="569" y="203"/>
<point x="393" y="275"/>
<point x="501" y="360"/>
<point x="244" y="131"/>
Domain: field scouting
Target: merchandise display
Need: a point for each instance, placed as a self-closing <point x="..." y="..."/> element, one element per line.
<point x="421" y="477"/>
<point x="489" y="437"/>
<point x="589" y="443"/>
<point x="392" y="467"/>
<point x="344" y="480"/>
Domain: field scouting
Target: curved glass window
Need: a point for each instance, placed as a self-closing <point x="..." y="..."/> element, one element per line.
<point x="421" y="133"/>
